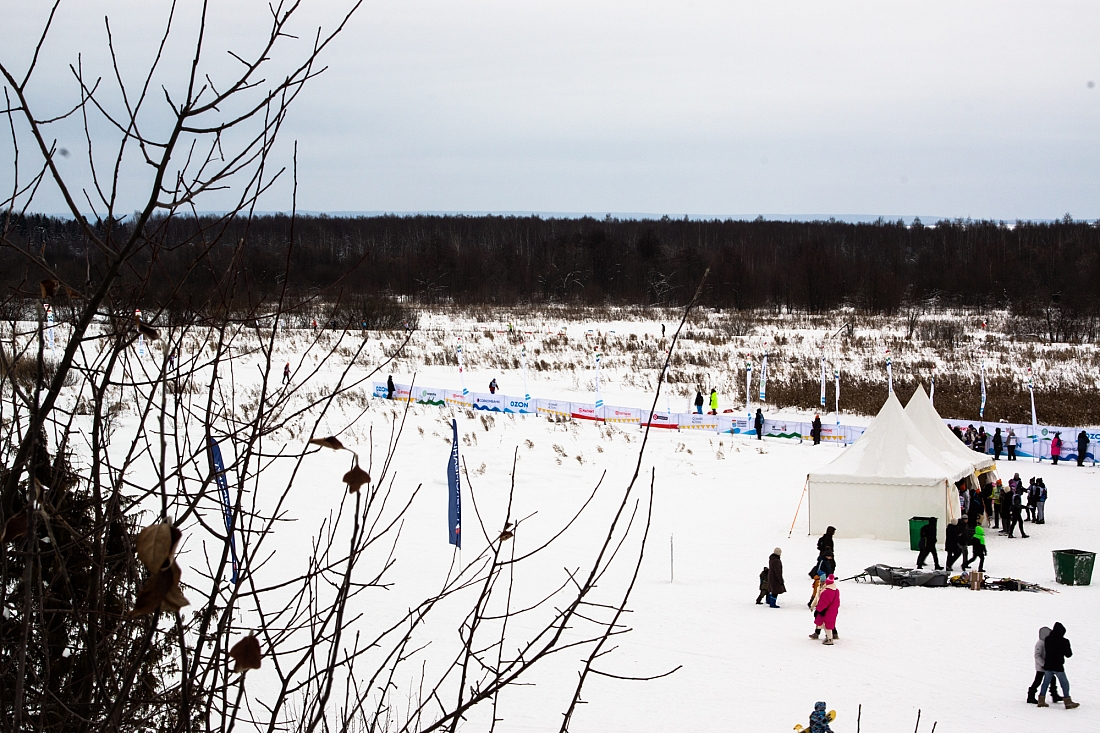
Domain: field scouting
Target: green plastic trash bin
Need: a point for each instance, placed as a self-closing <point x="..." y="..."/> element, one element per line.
<point x="1073" y="567"/>
<point x="915" y="525"/>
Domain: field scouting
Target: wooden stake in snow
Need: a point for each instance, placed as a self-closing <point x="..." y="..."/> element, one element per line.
<point x="671" y="562"/>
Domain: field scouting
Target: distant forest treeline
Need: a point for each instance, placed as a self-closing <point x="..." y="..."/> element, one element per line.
<point x="800" y="266"/>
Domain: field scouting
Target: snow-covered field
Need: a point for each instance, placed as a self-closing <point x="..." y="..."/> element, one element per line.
<point x="962" y="657"/>
<point x="721" y="503"/>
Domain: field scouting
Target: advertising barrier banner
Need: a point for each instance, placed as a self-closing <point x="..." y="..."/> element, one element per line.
<point x="695" y="421"/>
<point x="519" y="405"/>
<point x="455" y="397"/>
<point x="622" y="414"/>
<point x="1030" y="443"/>
<point x="660" y="420"/>
<point x="553" y="407"/>
<point x="430" y="396"/>
<point x="583" y="411"/>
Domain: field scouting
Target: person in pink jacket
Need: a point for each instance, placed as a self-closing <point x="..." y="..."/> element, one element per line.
<point x="1056" y="448"/>
<point x="828" y="606"/>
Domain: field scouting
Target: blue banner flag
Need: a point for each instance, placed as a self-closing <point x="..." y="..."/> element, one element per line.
<point x="227" y="508"/>
<point x="454" y="493"/>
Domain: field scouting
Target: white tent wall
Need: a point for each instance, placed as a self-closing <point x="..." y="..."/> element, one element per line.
<point x="879" y="512"/>
<point x="890" y="474"/>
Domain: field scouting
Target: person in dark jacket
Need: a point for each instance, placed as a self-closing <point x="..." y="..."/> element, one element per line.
<point x="764" y="586"/>
<point x="1040" y="668"/>
<point x="998" y="444"/>
<point x="815" y="430"/>
<point x="775" y="577"/>
<point x="927" y="544"/>
<point x="1019" y="498"/>
<point x="951" y="544"/>
<point x="1082" y="447"/>
<point x="389" y="387"/>
<point x="1057" y="651"/>
<point x="698" y="402"/>
<point x="825" y="542"/>
<point x="758" y="423"/>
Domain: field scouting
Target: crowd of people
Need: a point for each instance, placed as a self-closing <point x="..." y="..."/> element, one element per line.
<point x="1051" y="651"/>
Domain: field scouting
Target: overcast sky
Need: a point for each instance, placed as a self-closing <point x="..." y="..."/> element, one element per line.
<point x="938" y="109"/>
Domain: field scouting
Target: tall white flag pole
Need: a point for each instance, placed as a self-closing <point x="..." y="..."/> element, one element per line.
<point x="764" y="378"/>
<point x="1036" y="446"/>
<point x="889" y="373"/>
<point x="932" y="390"/>
<point x="523" y="360"/>
<point x="748" y="387"/>
<point x="981" y="410"/>
<point x="823" y="376"/>
<point x="461" y="368"/>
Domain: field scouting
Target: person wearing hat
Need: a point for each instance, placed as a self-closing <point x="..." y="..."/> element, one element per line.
<point x="815" y="430"/>
<point x="828" y="606"/>
<point x="775" y="577"/>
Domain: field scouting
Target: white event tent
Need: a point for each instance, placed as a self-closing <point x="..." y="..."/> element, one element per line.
<point x="923" y="414"/>
<point x="891" y="473"/>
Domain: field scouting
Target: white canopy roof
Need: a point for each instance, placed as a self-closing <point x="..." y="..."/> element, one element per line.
<point x="923" y="414"/>
<point x="893" y="452"/>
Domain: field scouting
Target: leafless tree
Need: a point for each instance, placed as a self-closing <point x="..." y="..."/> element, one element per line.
<point x="129" y="439"/>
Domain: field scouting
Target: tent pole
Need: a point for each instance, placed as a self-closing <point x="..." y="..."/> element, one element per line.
<point x="800" y="498"/>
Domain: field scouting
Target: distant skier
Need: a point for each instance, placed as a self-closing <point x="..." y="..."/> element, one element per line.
<point x="998" y="444"/>
<point x="1011" y="443"/>
<point x="763" y="585"/>
<point x="1040" y="668"/>
<point x="713" y="401"/>
<point x="927" y="544"/>
<point x="1056" y="448"/>
<point x="286" y="373"/>
<point x="759" y="424"/>
<point x="389" y="387"/>
<point x="493" y="387"/>
<point x="828" y="605"/>
<point x="815" y="429"/>
<point x="775" y="577"/>
<point x="698" y="402"/>
<point x="1082" y="447"/>
<point x="1054" y="661"/>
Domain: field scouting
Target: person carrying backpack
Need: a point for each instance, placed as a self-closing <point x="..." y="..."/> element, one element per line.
<point x="1040" y="509"/>
<point x="1032" y="501"/>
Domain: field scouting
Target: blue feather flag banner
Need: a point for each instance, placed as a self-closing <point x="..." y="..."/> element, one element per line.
<point x="227" y="506"/>
<point x="454" y="493"/>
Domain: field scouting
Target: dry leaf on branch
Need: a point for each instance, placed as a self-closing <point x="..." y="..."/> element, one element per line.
<point x="15" y="527"/>
<point x="355" y="478"/>
<point x="148" y="331"/>
<point x="246" y="654"/>
<point x="330" y="442"/>
<point x="73" y="294"/>
<point x="156" y="549"/>
<point x="506" y="535"/>
<point x="48" y="288"/>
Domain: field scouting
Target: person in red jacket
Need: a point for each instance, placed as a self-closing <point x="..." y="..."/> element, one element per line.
<point x="828" y="606"/>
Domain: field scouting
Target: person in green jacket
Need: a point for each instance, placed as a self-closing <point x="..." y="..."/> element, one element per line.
<point x="713" y="401"/>
<point x="979" y="549"/>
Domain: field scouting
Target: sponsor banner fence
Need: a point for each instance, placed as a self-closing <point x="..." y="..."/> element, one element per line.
<point x="1030" y="443"/>
<point x="582" y="411"/>
<point x="455" y="397"/>
<point x="614" y="414"/>
<point x="552" y="407"/>
<point x="660" y="420"/>
<point x="487" y="401"/>
<point x="430" y="396"/>
<point x="519" y="405"/>
<point x="695" y="421"/>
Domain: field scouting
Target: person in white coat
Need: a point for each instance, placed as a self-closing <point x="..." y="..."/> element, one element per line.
<point x="1040" y="662"/>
